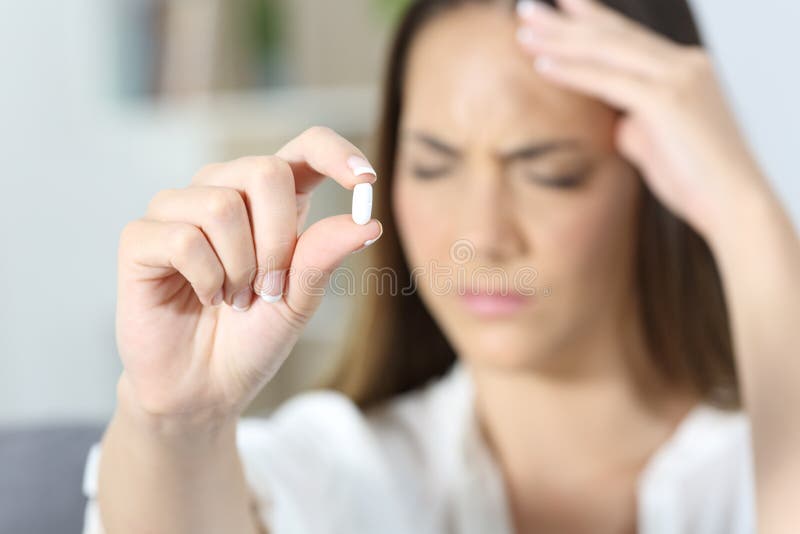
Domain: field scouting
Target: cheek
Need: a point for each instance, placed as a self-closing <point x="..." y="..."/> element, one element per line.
<point x="422" y="219"/>
<point x="590" y="246"/>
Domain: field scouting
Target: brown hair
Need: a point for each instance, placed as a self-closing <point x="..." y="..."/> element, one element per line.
<point x="396" y="345"/>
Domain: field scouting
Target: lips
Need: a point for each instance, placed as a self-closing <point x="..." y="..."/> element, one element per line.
<point x="495" y="304"/>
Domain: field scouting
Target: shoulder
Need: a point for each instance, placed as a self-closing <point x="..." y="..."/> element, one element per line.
<point x="702" y="478"/>
<point x="319" y="450"/>
<point x="328" y="428"/>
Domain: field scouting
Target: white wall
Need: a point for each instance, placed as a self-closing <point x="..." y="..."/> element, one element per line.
<point x="75" y="167"/>
<point x="756" y="44"/>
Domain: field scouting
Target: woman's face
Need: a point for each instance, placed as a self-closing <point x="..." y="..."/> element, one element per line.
<point x="506" y="184"/>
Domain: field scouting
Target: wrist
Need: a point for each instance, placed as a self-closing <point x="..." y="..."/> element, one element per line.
<point x="199" y="428"/>
<point x="748" y="200"/>
<point x="739" y="214"/>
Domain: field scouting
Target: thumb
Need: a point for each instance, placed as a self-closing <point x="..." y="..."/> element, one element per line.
<point x="319" y="251"/>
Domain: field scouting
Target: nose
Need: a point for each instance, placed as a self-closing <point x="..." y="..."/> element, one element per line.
<point x="489" y="220"/>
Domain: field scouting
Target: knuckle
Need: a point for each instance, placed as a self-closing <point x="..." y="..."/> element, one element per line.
<point x="256" y="163"/>
<point x="205" y="173"/>
<point x="673" y="93"/>
<point x="269" y="168"/>
<point x="158" y="200"/>
<point x="128" y="236"/>
<point x="317" y="131"/>
<point x="696" y="57"/>
<point x="678" y="91"/>
<point x="186" y="239"/>
<point x="295" y="317"/>
<point x="272" y="173"/>
<point x="692" y="67"/>
<point x="224" y="205"/>
<point x="127" y="230"/>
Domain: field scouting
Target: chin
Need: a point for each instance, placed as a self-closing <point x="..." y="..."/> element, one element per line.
<point x="503" y="347"/>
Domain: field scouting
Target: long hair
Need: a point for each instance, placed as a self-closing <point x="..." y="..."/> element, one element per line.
<point x="396" y="346"/>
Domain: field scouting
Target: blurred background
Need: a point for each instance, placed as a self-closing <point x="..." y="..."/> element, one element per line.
<point x="103" y="103"/>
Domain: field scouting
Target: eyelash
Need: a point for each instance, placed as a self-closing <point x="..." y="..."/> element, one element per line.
<point x="566" y="181"/>
<point x="428" y="174"/>
<point x="559" y="182"/>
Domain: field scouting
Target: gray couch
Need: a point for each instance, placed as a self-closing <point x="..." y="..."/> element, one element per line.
<point x="41" y="477"/>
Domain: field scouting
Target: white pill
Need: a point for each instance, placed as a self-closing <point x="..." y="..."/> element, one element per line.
<point x="362" y="203"/>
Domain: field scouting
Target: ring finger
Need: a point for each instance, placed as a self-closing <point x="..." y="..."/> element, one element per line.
<point x="221" y="215"/>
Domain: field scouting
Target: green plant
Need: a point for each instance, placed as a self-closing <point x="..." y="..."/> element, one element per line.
<point x="263" y="22"/>
<point x="392" y="9"/>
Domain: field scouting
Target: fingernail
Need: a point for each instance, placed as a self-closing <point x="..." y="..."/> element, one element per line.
<point x="543" y="63"/>
<point x="525" y="8"/>
<point x="360" y="166"/>
<point x="217" y="300"/>
<point x="369" y="242"/>
<point x="526" y="35"/>
<point x="242" y="299"/>
<point x="272" y="288"/>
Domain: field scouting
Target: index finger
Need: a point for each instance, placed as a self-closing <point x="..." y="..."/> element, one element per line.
<point x="319" y="152"/>
<point x="632" y="47"/>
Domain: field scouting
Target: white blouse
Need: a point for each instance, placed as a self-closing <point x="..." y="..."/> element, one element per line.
<point x="320" y="465"/>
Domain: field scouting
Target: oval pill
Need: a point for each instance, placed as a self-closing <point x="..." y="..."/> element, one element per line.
<point x="362" y="203"/>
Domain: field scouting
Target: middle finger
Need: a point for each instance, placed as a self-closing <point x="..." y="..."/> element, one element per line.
<point x="547" y="31"/>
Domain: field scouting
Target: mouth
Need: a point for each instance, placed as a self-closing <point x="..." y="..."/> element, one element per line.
<point x="495" y="305"/>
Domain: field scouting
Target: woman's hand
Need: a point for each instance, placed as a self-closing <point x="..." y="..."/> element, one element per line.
<point x="675" y="126"/>
<point x="234" y="231"/>
<point x="677" y="129"/>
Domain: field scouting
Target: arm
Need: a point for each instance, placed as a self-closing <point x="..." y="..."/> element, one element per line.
<point x="677" y="129"/>
<point x="169" y="461"/>
<point x="187" y="480"/>
<point x="758" y="253"/>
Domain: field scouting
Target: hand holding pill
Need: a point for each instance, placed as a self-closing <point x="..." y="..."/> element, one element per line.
<point x="217" y="280"/>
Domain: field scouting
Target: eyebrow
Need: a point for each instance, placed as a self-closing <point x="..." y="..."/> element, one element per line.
<point x="529" y="151"/>
<point x="434" y="143"/>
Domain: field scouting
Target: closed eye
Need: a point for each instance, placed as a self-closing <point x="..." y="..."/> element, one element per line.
<point x="429" y="173"/>
<point x="566" y="181"/>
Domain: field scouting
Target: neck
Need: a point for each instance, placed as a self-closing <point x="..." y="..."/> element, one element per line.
<point x="609" y="414"/>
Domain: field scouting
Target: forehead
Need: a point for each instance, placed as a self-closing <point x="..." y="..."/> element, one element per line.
<point x="466" y="74"/>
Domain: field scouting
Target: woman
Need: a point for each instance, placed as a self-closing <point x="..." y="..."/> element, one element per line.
<point x="586" y="146"/>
